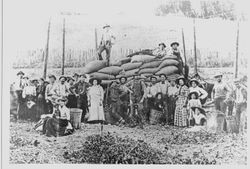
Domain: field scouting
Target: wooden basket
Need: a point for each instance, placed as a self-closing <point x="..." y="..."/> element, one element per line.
<point x="75" y="117"/>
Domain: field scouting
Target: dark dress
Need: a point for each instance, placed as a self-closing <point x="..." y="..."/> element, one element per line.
<point x="72" y="100"/>
<point x="41" y="102"/>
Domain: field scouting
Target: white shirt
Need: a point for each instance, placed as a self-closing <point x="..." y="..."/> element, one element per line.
<point x="172" y="90"/>
<point x="108" y="36"/>
<point x="163" y="88"/>
<point x="151" y="91"/>
<point x="62" y="89"/>
<point x="202" y="93"/>
<point x="29" y="90"/>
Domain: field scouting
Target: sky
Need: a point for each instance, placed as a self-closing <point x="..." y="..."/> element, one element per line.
<point x="26" y="21"/>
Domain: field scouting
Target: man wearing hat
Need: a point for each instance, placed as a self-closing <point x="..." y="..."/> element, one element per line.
<point x="29" y="95"/>
<point x="114" y="98"/>
<point x="175" y="51"/>
<point x="239" y="95"/>
<point x="195" y="88"/>
<point x="124" y="96"/>
<point x="172" y="93"/>
<point x="137" y="86"/>
<point x="220" y="94"/>
<point x="160" y="51"/>
<point x="75" y="77"/>
<point x="149" y="95"/>
<point x="107" y="40"/>
<point x="79" y="89"/>
<point x="50" y="92"/>
<point x="62" y="88"/>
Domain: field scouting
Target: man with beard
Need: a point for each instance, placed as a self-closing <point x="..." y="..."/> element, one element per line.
<point x="221" y="94"/>
<point x="79" y="89"/>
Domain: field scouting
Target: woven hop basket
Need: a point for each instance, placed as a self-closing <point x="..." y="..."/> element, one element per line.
<point x="155" y="116"/>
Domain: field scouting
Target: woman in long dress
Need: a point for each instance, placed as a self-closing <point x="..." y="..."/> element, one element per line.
<point x="180" y="118"/>
<point x="95" y="100"/>
<point x="41" y="102"/>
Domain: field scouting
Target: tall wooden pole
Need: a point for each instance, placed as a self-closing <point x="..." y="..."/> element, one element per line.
<point x="96" y="45"/>
<point x="195" y="53"/>
<point x="63" y="48"/>
<point x="184" y="46"/>
<point x="46" y="53"/>
<point x="237" y="51"/>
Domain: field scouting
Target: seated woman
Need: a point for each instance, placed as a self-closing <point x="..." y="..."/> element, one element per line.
<point x="57" y="125"/>
<point x="29" y="95"/>
<point x="193" y="101"/>
<point x="200" y="117"/>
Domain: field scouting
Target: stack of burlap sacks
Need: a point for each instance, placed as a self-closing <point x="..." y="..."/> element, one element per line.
<point x="145" y="65"/>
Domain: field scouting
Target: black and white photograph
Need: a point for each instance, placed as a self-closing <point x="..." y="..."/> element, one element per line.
<point x="125" y="82"/>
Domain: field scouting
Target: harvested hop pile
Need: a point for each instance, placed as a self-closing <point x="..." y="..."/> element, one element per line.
<point x="110" y="149"/>
<point x="143" y="64"/>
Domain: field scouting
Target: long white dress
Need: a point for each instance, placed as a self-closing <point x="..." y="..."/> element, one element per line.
<point x="95" y="96"/>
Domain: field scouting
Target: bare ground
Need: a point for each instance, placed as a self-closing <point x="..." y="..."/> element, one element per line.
<point x="29" y="146"/>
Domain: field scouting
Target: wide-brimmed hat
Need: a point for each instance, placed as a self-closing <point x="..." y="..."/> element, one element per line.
<point x="194" y="80"/>
<point x="136" y="74"/>
<point x="237" y="80"/>
<point x="123" y="77"/>
<point x="114" y="81"/>
<point x="152" y="77"/>
<point x="163" y="75"/>
<point x="218" y="75"/>
<point x="194" y="92"/>
<point x="25" y="77"/>
<point x="163" y="44"/>
<point x="106" y="26"/>
<point x="34" y="80"/>
<point x="20" y="73"/>
<point x="62" y="98"/>
<point x="52" y="76"/>
<point x="70" y="78"/>
<point x="46" y="81"/>
<point x="92" y="79"/>
<point x="83" y="75"/>
<point x="62" y="77"/>
<point x="76" y="74"/>
<point x="202" y="111"/>
<point x="174" y="43"/>
<point x="179" y="78"/>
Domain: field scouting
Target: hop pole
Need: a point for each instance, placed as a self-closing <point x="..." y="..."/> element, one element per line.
<point x="46" y="53"/>
<point x="237" y="51"/>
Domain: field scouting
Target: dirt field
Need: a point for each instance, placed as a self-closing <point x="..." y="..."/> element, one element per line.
<point x="176" y="144"/>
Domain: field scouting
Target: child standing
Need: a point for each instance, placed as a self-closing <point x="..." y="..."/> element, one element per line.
<point x="193" y="101"/>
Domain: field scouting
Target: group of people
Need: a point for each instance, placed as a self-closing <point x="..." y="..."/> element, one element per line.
<point x="177" y="101"/>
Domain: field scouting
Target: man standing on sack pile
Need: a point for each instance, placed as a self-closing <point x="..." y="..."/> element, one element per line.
<point x="106" y="43"/>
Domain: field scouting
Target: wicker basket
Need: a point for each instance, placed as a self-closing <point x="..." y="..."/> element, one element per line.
<point x="75" y="117"/>
<point x="155" y="116"/>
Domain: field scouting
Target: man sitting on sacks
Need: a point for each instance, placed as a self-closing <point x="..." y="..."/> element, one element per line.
<point x="107" y="40"/>
<point x="160" y="51"/>
<point x="175" y="51"/>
